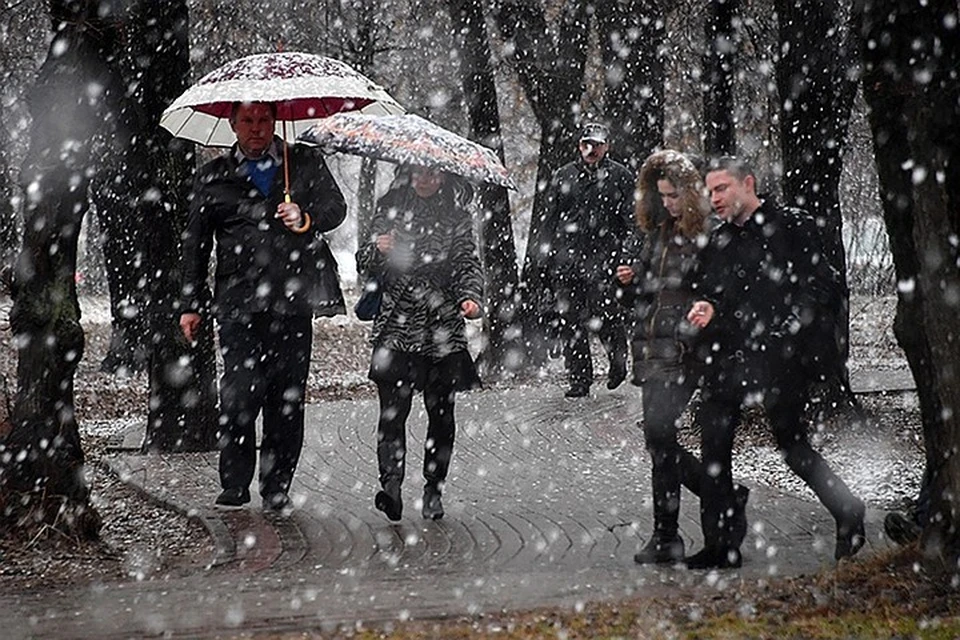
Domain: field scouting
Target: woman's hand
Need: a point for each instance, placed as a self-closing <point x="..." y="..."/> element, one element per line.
<point x="470" y="309"/>
<point x="385" y="243"/>
<point x="701" y="313"/>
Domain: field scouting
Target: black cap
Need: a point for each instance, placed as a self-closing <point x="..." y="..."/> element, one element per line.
<point x="594" y="132"/>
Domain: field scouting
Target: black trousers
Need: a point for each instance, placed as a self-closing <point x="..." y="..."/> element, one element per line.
<point x="719" y="415"/>
<point x="396" y="400"/>
<point x="665" y="396"/>
<point x="266" y="359"/>
<point x="584" y="308"/>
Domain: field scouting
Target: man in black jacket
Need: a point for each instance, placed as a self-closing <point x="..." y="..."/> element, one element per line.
<point x="274" y="272"/>
<point x="588" y="218"/>
<point x="762" y="282"/>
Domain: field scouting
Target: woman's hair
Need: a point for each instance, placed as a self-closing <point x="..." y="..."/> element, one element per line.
<point x="682" y="172"/>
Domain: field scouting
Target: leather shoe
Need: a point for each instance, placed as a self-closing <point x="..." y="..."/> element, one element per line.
<point x="277" y="502"/>
<point x="661" y="551"/>
<point x="577" y="391"/>
<point x="432" y="506"/>
<point x="715" y="558"/>
<point x="616" y="376"/>
<point x="233" y="498"/>
<point x="850" y="534"/>
<point x="388" y="500"/>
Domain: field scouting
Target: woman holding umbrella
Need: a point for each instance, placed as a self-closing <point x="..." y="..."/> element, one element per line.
<point x="423" y="253"/>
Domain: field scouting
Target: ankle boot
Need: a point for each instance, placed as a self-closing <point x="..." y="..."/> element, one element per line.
<point x="851" y="535"/>
<point x="388" y="500"/>
<point x="661" y="549"/>
<point x="432" y="506"/>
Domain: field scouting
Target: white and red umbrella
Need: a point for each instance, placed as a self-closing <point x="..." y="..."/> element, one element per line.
<point x="305" y="88"/>
<point x="408" y="139"/>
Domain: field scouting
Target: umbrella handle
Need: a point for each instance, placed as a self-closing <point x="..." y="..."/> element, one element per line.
<point x="286" y="166"/>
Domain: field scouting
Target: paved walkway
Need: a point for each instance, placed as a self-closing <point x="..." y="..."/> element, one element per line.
<point x="547" y="501"/>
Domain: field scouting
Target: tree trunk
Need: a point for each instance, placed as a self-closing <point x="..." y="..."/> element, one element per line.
<point x="549" y="61"/>
<point x="719" y="66"/>
<point x="366" y="200"/>
<point x="121" y="230"/>
<point x="911" y="54"/>
<point x="817" y="90"/>
<point x="632" y="33"/>
<point x="363" y="48"/>
<point x="9" y="225"/>
<point x="501" y="352"/>
<point x="41" y="465"/>
<point x="182" y="413"/>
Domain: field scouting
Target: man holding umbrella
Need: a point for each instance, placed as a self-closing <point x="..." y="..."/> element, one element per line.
<point x="274" y="272"/>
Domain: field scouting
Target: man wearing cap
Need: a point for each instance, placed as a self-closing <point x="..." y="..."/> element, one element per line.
<point x="588" y="216"/>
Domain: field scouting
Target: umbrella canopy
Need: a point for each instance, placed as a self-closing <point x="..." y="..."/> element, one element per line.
<point x="304" y="87"/>
<point x="409" y="139"/>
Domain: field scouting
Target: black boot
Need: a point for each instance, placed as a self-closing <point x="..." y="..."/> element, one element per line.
<point x="661" y="549"/>
<point x="432" y="506"/>
<point x="388" y="500"/>
<point x="850" y="533"/>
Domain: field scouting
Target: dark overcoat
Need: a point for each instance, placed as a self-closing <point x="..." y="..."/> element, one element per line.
<point x="262" y="266"/>
<point x="773" y="292"/>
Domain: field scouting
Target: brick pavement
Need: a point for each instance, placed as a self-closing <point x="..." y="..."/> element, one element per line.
<point x="546" y="503"/>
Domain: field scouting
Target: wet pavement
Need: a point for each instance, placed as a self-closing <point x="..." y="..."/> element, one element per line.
<point x="547" y="501"/>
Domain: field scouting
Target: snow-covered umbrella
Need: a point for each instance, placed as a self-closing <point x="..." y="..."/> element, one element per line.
<point x="304" y="87"/>
<point x="408" y="139"/>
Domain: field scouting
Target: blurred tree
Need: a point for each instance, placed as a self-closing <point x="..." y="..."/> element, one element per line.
<point x="912" y="53"/>
<point x="9" y="226"/>
<point x="632" y="36"/>
<point x="817" y="86"/>
<point x="502" y="351"/>
<point x="549" y="59"/>
<point x="182" y="410"/>
<point x="722" y="42"/>
<point x="41" y="465"/>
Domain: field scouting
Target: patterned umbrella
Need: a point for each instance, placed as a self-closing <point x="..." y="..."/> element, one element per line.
<point x="304" y="87"/>
<point x="408" y="139"/>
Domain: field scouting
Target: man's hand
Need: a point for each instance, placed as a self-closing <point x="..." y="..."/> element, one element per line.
<point x="289" y="213"/>
<point x="625" y="274"/>
<point x="470" y="309"/>
<point x="189" y="324"/>
<point x="701" y="313"/>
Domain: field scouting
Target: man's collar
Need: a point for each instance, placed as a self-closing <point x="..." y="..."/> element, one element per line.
<point x="273" y="151"/>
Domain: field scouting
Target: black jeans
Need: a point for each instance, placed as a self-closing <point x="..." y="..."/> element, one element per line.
<point x="784" y="401"/>
<point x="266" y="359"/>
<point x="665" y="396"/>
<point x="396" y="400"/>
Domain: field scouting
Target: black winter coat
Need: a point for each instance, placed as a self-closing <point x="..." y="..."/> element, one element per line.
<point x="588" y="218"/>
<point x="659" y="298"/>
<point x="261" y="265"/>
<point x="773" y="292"/>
